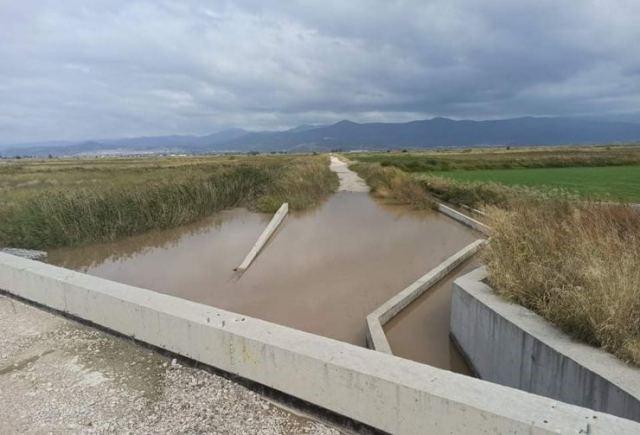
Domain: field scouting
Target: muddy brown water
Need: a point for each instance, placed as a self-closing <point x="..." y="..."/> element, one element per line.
<point x="323" y="271"/>
<point x="420" y="332"/>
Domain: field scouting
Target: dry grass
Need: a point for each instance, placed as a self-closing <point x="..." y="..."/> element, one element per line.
<point x="576" y="264"/>
<point x="302" y="182"/>
<point x="473" y="194"/>
<point x="419" y="190"/>
<point x="69" y="202"/>
<point x="394" y="184"/>
<point x="505" y="158"/>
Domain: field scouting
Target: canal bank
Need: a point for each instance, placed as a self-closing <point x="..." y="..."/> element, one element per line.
<point x="322" y="271"/>
<point x="380" y="390"/>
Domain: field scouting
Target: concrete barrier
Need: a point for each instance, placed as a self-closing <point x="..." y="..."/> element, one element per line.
<point x="31" y="254"/>
<point x="276" y="220"/>
<point x="383" y="391"/>
<point x="376" y="338"/>
<point x="510" y="345"/>
<point x="463" y="218"/>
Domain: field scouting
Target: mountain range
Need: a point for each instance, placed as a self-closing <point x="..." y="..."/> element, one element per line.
<point x="347" y="135"/>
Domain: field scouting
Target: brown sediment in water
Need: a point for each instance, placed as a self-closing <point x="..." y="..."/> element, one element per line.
<point x="420" y="332"/>
<point x="323" y="271"/>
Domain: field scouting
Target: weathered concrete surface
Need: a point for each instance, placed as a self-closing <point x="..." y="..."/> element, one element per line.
<point x="59" y="376"/>
<point x="510" y="345"/>
<point x="463" y="219"/>
<point x="420" y="332"/>
<point x="349" y="180"/>
<point x="383" y="391"/>
<point x="25" y="253"/>
<point x="314" y="262"/>
<point x="376" y="338"/>
<point x="277" y="219"/>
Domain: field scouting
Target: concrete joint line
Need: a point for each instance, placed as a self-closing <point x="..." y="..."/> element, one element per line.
<point x="276" y="220"/>
<point x="376" y="337"/>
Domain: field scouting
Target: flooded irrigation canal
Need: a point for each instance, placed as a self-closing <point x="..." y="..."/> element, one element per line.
<point x="323" y="270"/>
<point x="420" y="332"/>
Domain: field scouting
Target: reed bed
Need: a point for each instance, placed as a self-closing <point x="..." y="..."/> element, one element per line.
<point x="420" y="190"/>
<point x="576" y="264"/>
<point x="393" y="184"/>
<point x="506" y="158"/>
<point x="168" y="196"/>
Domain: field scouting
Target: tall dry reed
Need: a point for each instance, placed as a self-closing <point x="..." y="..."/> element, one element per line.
<point x="576" y="264"/>
<point x="394" y="184"/>
<point x="54" y="217"/>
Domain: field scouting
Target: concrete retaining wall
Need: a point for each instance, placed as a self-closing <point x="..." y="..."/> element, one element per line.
<point x="376" y="338"/>
<point x="510" y="345"/>
<point x="383" y="391"/>
<point x="463" y="218"/>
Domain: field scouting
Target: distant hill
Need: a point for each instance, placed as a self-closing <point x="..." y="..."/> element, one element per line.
<point x="134" y="145"/>
<point x="443" y="132"/>
<point x="347" y="135"/>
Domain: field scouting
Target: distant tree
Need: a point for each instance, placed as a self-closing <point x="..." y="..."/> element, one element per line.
<point x="50" y="156"/>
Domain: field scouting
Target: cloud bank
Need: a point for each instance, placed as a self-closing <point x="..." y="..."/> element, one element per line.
<point x="78" y="70"/>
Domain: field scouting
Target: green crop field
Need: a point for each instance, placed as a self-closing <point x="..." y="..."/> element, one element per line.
<point x="610" y="182"/>
<point x="501" y="158"/>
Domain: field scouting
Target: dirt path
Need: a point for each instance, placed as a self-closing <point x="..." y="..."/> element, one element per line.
<point x="349" y="180"/>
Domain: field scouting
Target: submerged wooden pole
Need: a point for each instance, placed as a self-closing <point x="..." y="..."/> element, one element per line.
<point x="278" y="217"/>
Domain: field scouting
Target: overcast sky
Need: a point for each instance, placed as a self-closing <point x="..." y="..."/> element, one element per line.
<point x="98" y="69"/>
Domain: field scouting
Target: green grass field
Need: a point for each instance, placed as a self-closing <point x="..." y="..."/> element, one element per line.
<point x="611" y="182"/>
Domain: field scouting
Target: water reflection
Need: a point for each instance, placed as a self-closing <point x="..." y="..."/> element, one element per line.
<point x="323" y="272"/>
<point x="84" y="258"/>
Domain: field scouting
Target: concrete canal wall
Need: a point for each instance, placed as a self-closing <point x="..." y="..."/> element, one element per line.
<point x="376" y="337"/>
<point x="383" y="391"/>
<point x="510" y="345"/>
<point x="463" y="218"/>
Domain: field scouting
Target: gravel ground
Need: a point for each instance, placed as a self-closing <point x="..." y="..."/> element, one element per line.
<point x="60" y="376"/>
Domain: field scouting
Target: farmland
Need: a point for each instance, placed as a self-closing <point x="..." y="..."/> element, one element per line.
<point x="574" y="262"/>
<point x="608" y="183"/>
<point x="601" y="172"/>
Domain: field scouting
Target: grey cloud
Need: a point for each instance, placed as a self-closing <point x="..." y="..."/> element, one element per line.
<point x="79" y="69"/>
